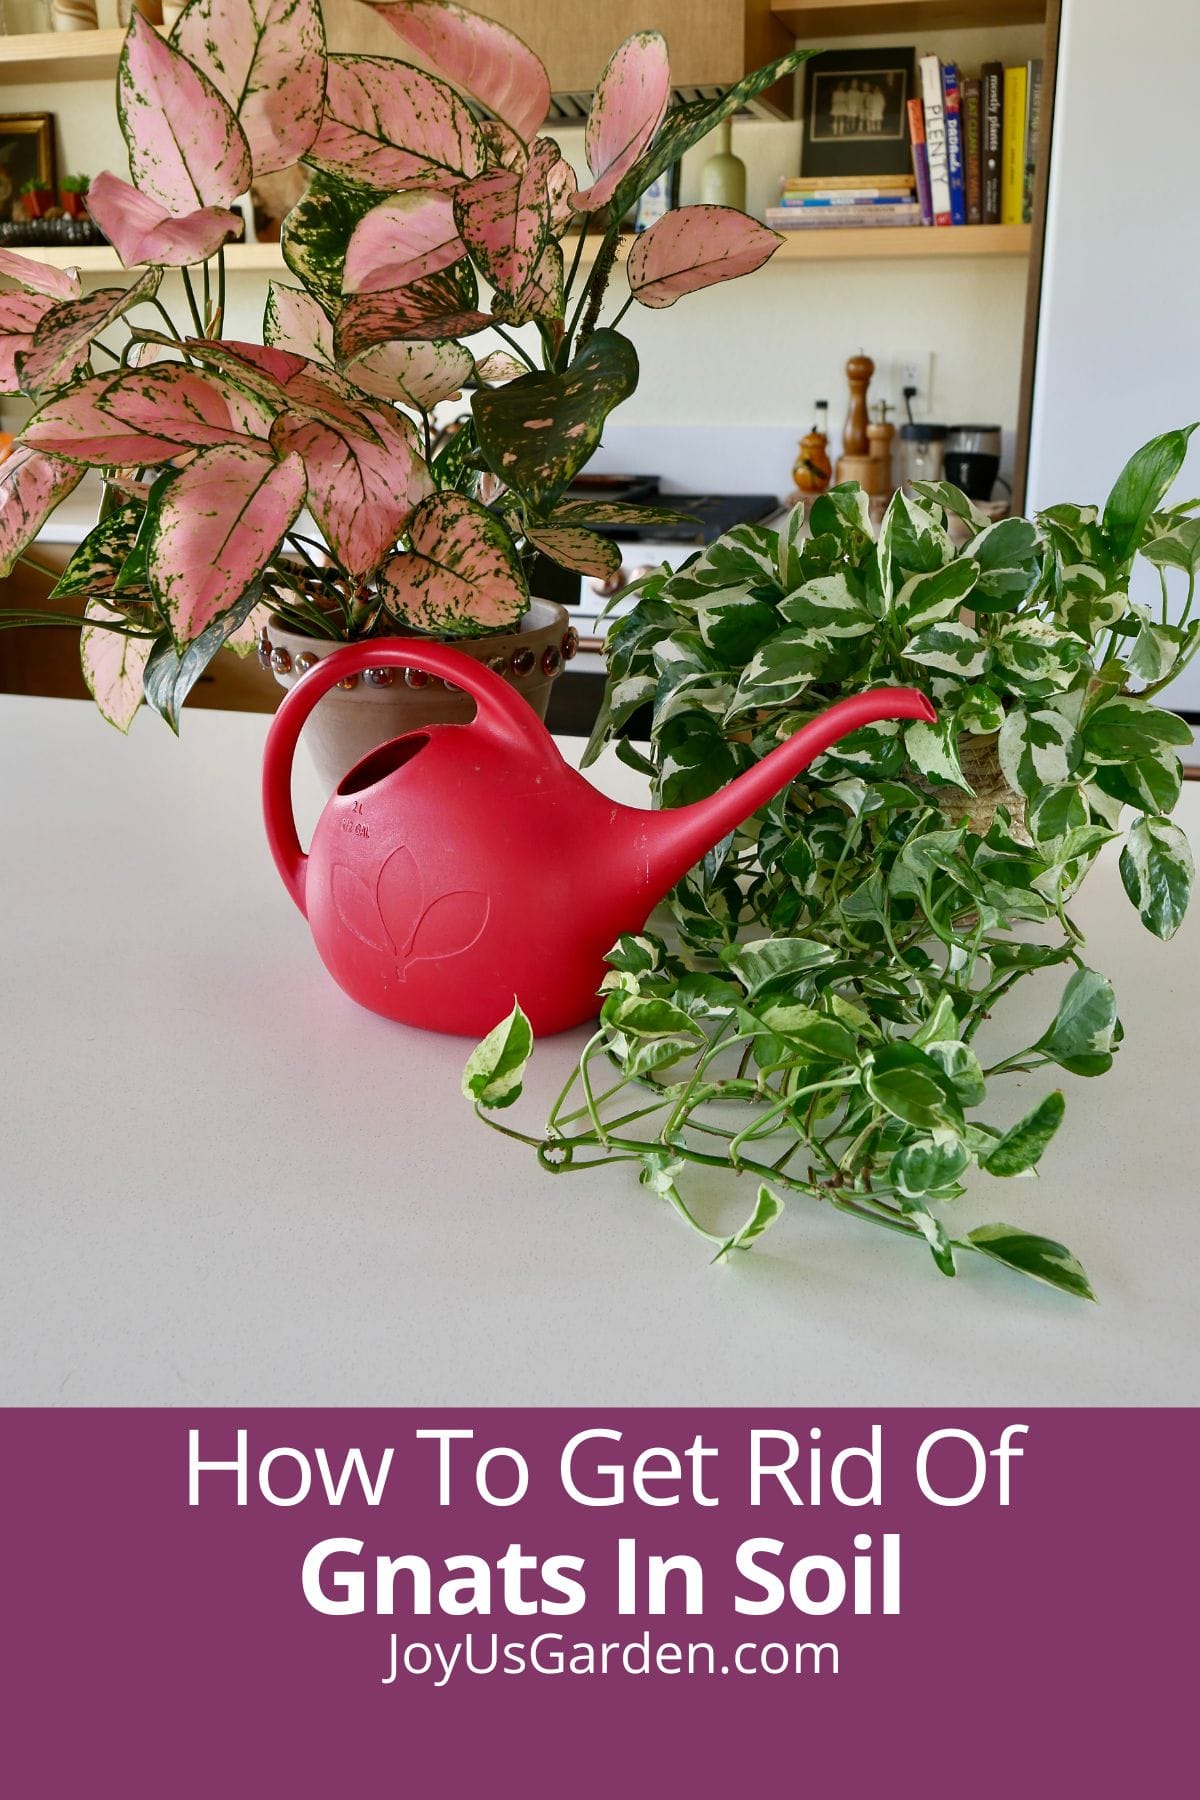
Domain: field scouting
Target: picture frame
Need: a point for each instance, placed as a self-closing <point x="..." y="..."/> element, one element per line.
<point x="856" y="112"/>
<point x="26" y="154"/>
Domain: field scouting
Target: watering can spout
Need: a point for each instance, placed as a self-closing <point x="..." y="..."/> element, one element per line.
<point x="680" y="837"/>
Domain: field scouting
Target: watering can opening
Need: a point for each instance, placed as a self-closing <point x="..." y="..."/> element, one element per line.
<point x="384" y="760"/>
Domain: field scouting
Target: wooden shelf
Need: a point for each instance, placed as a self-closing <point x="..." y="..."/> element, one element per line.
<point x="892" y="242"/>
<point x="810" y="19"/>
<point x="96" y="259"/>
<point x="60" y="56"/>
<point x="802" y="246"/>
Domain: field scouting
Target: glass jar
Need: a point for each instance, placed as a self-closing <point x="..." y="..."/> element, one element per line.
<point x="920" y="455"/>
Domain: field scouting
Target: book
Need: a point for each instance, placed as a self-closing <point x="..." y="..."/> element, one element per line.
<point x="1012" y="146"/>
<point x="991" y="88"/>
<point x="920" y="156"/>
<point x="820" y="183"/>
<point x="935" y="139"/>
<point x="1033" y="127"/>
<point x="972" y="147"/>
<point x="848" y="198"/>
<point x="810" y="195"/>
<point x="954" y="142"/>
<point x="796" y="218"/>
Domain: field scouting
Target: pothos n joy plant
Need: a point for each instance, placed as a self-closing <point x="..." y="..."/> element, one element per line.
<point x="423" y="186"/>
<point x="824" y="1019"/>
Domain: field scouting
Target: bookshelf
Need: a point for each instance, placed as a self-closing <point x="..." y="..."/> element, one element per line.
<point x="807" y="246"/>
<point x="60" y="56"/>
<point x="808" y="19"/>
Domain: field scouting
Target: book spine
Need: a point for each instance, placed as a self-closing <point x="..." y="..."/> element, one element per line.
<point x="900" y="198"/>
<point x="1033" y="130"/>
<point x="954" y="143"/>
<point x="920" y="156"/>
<point x="857" y="184"/>
<point x="991" y="88"/>
<point x="784" y="218"/>
<point x="1012" y="174"/>
<point x="972" y="161"/>
<point x="935" y="139"/>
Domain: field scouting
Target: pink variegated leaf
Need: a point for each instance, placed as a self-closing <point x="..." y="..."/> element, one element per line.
<point x="294" y="321"/>
<point x="113" y="664"/>
<point x="438" y="307"/>
<point x="40" y="278"/>
<point x="31" y="486"/>
<point x="573" y="547"/>
<point x="142" y="231"/>
<point x="63" y="339"/>
<point x="504" y="217"/>
<point x="194" y="409"/>
<point x="266" y="58"/>
<point x="392" y="127"/>
<point x="542" y="295"/>
<point x="362" y="487"/>
<point x="219" y="524"/>
<point x="186" y="149"/>
<point x="483" y="58"/>
<point x="417" y="374"/>
<point x="20" y="316"/>
<point x="498" y="367"/>
<point x="281" y="381"/>
<point x="561" y="186"/>
<point x="504" y="147"/>
<point x="462" y="574"/>
<point x="145" y="416"/>
<point x="694" y="247"/>
<point x="627" y="109"/>
<point x="75" y="425"/>
<point x="407" y="238"/>
<point x="243" y="640"/>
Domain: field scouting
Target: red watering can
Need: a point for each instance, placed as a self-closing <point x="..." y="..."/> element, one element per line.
<point x="461" y="865"/>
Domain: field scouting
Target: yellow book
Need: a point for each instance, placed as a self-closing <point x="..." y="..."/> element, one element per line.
<point x="1012" y="156"/>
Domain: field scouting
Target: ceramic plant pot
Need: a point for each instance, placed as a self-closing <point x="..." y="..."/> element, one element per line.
<point x="383" y="704"/>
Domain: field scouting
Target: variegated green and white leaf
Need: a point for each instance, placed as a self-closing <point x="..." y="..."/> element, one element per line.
<point x="933" y="750"/>
<point x="828" y="608"/>
<point x="1157" y="870"/>
<point x="953" y="648"/>
<point x="1037" y="748"/>
<point x="778" y="673"/>
<point x="926" y="599"/>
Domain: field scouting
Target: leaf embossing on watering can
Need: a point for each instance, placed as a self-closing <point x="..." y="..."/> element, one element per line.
<point x="399" y="899"/>
<point x="357" y="908"/>
<point x="448" y="926"/>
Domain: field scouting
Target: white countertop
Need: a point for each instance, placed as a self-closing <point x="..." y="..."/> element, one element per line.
<point x="221" y="1182"/>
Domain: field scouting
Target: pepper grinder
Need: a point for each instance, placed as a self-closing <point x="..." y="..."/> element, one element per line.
<point x="879" y="436"/>
<point x="812" y="471"/>
<point x="855" y="463"/>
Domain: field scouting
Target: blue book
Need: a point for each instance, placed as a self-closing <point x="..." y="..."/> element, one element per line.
<point x="954" y="143"/>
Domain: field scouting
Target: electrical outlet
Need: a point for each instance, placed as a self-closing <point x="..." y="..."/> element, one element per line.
<point x="914" y="369"/>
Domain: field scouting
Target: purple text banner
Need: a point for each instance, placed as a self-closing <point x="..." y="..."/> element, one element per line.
<point x="329" y="1602"/>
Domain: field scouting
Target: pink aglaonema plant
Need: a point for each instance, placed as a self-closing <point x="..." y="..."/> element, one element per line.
<point x="299" y="475"/>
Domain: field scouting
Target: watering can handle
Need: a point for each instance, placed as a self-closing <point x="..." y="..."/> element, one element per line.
<point x="500" y="711"/>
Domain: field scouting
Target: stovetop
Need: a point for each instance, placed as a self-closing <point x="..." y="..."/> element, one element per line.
<point x="707" y="515"/>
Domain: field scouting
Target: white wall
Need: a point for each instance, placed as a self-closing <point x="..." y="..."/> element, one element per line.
<point x="1118" y="344"/>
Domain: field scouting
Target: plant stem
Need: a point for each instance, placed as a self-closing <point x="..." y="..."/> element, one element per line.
<point x="191" y="300"/>
<point x="516" y="348"/>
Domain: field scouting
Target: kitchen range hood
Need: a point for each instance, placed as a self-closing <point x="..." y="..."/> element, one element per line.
<point x="713" y="43"/>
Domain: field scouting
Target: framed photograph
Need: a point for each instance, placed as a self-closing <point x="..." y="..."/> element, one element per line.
<point x="856" y="112"/>
<point x="26" y="154"/>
